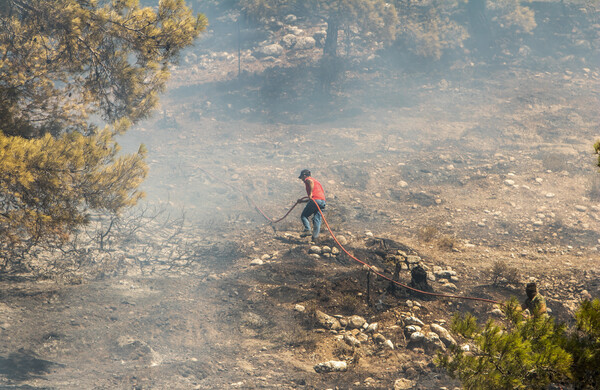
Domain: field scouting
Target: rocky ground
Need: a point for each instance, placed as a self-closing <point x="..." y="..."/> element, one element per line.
<point x="483" y="175"/>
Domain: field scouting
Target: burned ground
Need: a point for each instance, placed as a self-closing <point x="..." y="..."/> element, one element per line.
<point x="467" y="166"/>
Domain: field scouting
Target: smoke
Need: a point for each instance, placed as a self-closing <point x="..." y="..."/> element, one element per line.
<point x="463" y="89"/>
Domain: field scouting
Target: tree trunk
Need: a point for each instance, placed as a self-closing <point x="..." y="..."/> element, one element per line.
<point x="331" y="40"/>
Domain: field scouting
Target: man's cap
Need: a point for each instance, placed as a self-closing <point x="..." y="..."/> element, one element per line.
<point x="303" y="173"/>
<point x="531" y="287"/>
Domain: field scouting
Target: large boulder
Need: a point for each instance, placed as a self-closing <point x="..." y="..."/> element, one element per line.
<point x="327" y="321"/>
<point x="356" y="322"/>
<point x="305" y="43"/>
<point x="274" y="50"/>
<point x="289" y="40"/>
<point x="445" y="336"/>
<point x="331" y="366"/>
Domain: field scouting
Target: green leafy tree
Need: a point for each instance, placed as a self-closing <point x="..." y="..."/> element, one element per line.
<point x="66" y="67"/>
<point x="524" y="353"/>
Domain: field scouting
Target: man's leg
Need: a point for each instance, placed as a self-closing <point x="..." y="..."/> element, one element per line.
<point x="306" y="213"/>
<point x="317" y="219"/>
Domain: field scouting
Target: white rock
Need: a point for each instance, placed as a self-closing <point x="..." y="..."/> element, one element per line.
<point x="305" y="43"/>
<point x="363" y="338"/>
<point x="373" y="328"/>
<point x="274" y="50"/>
<point x="445" y="274"/>
<point x="449" y="286"/>
<point x="417" y="337"/>
<point x="315" y="249"/>
<point x="550" y="195"/>
<point x="444" y="335"/>
<point x="509" y="182"/>
<point x="356" y="322"/>
<point x="257" y="262"/>
<point x="389" y="344"/>
<point x="289" y="40"/>
<point x="410" y="329"/>
<point x="327" y="321"/>
<point x="299" y="308"/>
<point x="413" y="321"/>
<point x="412" y="259"/>
<point x="403" y="384"/>
<point x="581" y="208"/>
<point x="331" y="366"/>
<point x="351" y="340"/>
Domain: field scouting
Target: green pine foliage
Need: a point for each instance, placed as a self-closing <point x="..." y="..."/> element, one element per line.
<point x="584" y="343"/>
<point x="64" y="64"/>
<point x="522" y="353"/>
<point x="526" y="352"/>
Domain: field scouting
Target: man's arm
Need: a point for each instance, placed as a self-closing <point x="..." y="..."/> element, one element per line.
<point x="311" y="185"/>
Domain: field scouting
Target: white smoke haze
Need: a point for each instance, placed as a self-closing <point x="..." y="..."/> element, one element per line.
<point x="465" y="144"/>
<point x="505" y="99"/>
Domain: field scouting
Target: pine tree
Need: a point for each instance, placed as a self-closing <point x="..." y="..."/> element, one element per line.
<point x="584" y="344"/>
<point x="67" y="69"/>
<point x="524" y="353"/>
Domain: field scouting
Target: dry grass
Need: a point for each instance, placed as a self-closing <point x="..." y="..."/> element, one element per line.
<point x="350" y="304"/>
<point x="593" y="187"/>
<point x="555" y="162"/>
<point x="502" y="273"/>
<point x="300" y="337"/>
<point x="427" y="233"/>
<point x="447" y="243"/>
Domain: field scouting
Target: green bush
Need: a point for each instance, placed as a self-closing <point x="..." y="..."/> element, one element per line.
<point x="526" y="352"/>
<point x="584" y="344"/>
<point x="522" y="353"/>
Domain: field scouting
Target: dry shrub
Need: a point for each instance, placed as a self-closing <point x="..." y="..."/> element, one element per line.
<point x="593" y="187"/>
<point x="309" y="320"/>
<point x="555" y="162"/>
<point x="350" y="304"/>
<point x="342" y="350"/>
<point x="300" y="337"/>
<point x="447" y="243"/>
<point x="427" y="233"/>
<point x="504" y="274"/>
<point x="429" y="32"/>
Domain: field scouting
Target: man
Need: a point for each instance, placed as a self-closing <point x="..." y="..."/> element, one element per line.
<point x="535" y="302"/>
<point x="315" y="193"/>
